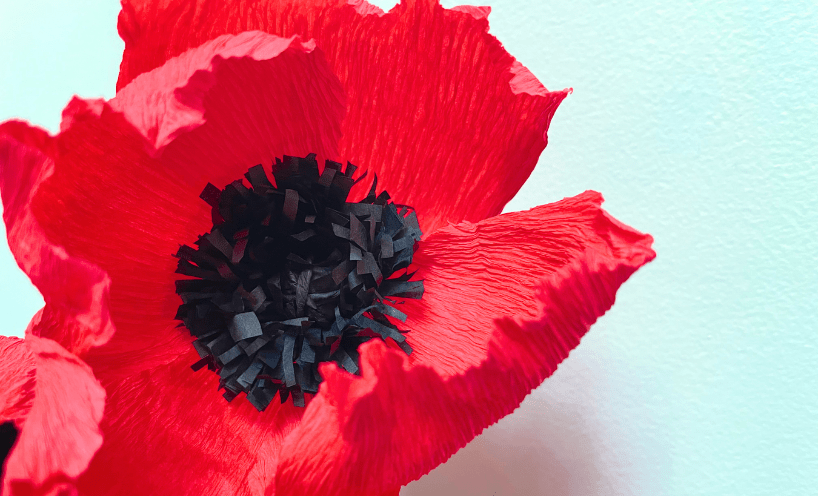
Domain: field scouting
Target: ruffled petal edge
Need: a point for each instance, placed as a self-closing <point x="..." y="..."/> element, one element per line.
<point x="75" y="291"/>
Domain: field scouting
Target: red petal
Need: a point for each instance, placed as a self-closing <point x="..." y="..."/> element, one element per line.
<point x="75" y="291"/>
<point x="364" y="435"/>
<point x="433" y="112"/>
<point x="449" y="121"/>
<point x="474" y="273"/>
<point x="169" y="432"/>
<point x="157" y="30"/>
<point x="251" y="89"/>
<point x="128" y="174"/>
<point x="17" y="378"/>
<point x="61" y="433"/>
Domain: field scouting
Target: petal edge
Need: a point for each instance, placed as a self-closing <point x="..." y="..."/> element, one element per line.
<point x="75" y="291"/>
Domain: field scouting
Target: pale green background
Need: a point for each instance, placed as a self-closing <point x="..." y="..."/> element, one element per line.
<point x="697" y="121"/>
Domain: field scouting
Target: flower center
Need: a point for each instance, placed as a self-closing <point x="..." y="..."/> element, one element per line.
<point x="293" y="275"/>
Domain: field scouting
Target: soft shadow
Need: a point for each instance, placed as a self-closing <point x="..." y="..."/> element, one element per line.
<point x="538" y="450"/>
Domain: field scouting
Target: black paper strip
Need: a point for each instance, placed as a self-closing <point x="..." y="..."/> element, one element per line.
<point x="245" y="326"/>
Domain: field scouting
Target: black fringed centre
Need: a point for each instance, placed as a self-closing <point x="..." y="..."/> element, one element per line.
<point x="293" y="275"/>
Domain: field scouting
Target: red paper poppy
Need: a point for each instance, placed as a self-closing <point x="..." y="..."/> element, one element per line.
<point x="422" y="96"/>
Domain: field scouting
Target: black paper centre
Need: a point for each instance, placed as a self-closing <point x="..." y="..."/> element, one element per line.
<point x="293" y="275"/>
<point x="8" y="436"/>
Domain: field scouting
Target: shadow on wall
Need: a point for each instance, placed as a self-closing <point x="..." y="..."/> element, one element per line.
<point x="538" y="451"/>
<point x="575" y="435"/>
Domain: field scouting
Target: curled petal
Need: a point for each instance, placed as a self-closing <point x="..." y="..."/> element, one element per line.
<point x="61" y="432"/>
<point x="75" y="291"/>
<point x="474" y="273"/>
<point x="156" y="30"/>
<point x="174" y="99"/>
<point x="401" y="419"/>
<point x="448" y="120"/>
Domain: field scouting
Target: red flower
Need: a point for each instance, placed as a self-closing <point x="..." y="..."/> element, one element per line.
<point x="422" y="96"/>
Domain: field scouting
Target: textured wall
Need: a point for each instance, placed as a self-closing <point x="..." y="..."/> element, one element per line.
<point x="697" y="121"/>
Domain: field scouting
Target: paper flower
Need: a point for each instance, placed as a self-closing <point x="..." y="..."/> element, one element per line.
<point x="422" y="97"/>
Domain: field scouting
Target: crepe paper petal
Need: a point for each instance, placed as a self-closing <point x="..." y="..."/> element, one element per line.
<point x="111" y="203"/>
<point x="438" y="119"/>
<point x="265" y="96"/>
<point x="399" y="420"/>
<point x="75" y="291"/>
<point x="155" y="31"/>
<point x="474" y="273"/>
<point x="449" y="121"/>
<point x="169" y="432"/>
<point x="17" y="379"/>
<point x="61" y="433"/>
